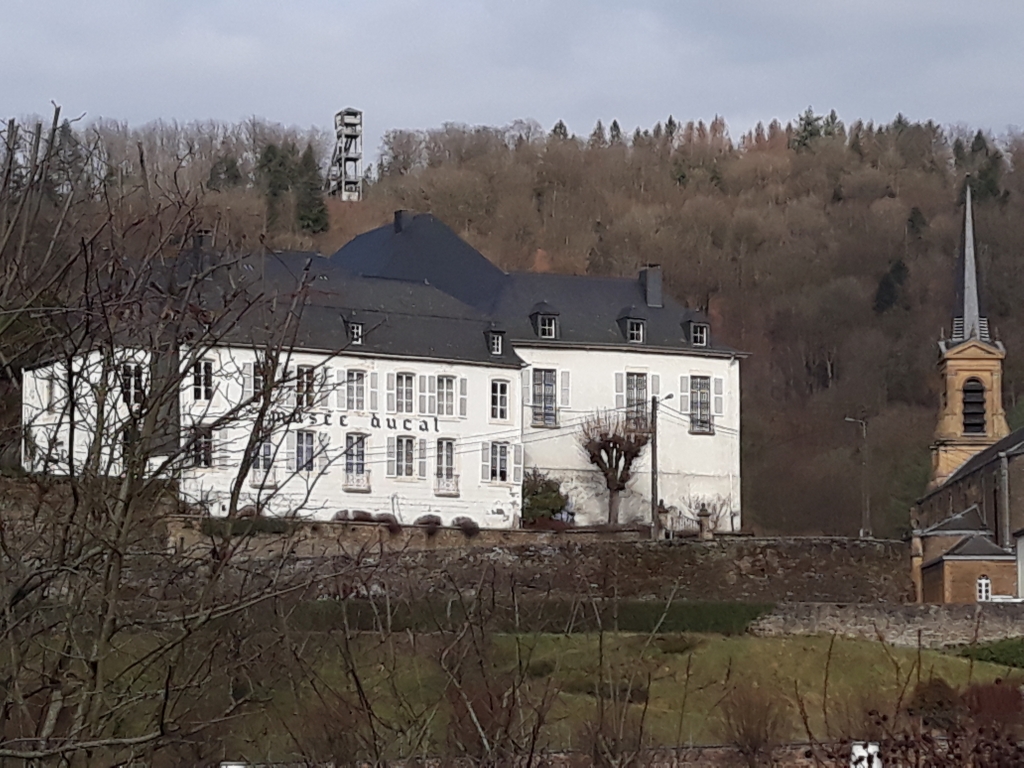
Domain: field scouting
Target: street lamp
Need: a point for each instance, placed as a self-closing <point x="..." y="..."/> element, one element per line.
<point x="654" y="463"/>
<point x="865" y="487"/>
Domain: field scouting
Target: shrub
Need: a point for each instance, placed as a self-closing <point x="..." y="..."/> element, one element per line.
<point x="394" y="527"/>
<point x="540" y="668"/>
<point x="467" y="525"/>
<point x="937" y="703"/>
<point x="221" y="526"/>
<point x="542" y="497"/>
<point x="676" y="643"/>
<point x="754" y="719"/>
<point x="430" y="523"/>
<point x="361" y="516"/>
<point x="1007" y="653"/>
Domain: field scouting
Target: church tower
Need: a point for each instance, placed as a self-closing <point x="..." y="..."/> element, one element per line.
<point x="971" y="416"/>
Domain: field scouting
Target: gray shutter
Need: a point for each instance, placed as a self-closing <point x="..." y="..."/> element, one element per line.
<point x="432" y="395"/>
<point x="391" y="456"/>
<point x="485" y="461"/>
<point x="289" y="387"/>
<point x="423" y="458"/>
<point x="655" y="385"/>
<point x="323" y="396"/>
<point x="684" y="394"/>
<point x="719" y="399"/>
<point x="391" y="392"/>
<point x="565" y="389"/>
<point x="323" y="458"/>
<point x="620" y="391"/>
<point x="373" y="391"/>
<point x="463" y="388"/>
<point x="221" y="449"/>
<point x="517" y="471"/>
<point x="289" y="447"/>
<point x="341" y="388"/>
<point x="527" y="378"/>
<point x="421" y="394"/>
<point x="247" y="382"/>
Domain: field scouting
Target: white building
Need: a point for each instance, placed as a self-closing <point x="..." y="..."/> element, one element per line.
<point x="412" y="378"/>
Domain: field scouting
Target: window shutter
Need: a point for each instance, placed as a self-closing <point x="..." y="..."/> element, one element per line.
<point x="391" y="393"/>
<point x="421" y="386"/>
<point x="221" y="453"/>
<point x="620" y="391"/>
<point x="485" y="461"/>
<point x="463" y="387"/>
<point x="341" y="388"/>
<point x="323" y="458"/>
<point x="323" y="398"/>
<point x="247" y="382"/>
<point x="391" y="457"/>
<point x="684" y="394"/>
<point x="517" y="472"/>
<point x="655" y="385"/>
<point x="432" y="398"/>
<point x="527" y="386"/>
<point x="373" y="391"/>
<point x="290" y="450"/>
<point x="289" y="387"/>
<point x="565" y="389"/>
<point x="719" y="400"/>
<point x="423" y="458"/>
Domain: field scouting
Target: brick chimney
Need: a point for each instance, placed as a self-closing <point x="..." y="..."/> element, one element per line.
<point x="402" y="220"/>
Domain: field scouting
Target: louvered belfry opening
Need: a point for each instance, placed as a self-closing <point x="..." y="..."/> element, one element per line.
<point x="974" y="407"/>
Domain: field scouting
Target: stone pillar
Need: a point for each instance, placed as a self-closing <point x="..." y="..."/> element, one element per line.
<point x="704" y="524"/>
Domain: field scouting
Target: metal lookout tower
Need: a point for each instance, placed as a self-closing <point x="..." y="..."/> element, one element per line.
<point x="345" y="176"/>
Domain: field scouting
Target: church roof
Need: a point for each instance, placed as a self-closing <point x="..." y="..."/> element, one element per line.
<point x="968" y="322"/>
<point x="1011" y="445"/>
<point x="969" y="521"/>
<point x="976" y="547"/>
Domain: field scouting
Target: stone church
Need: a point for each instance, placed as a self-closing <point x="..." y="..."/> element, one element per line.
<point x="967" y="523"/>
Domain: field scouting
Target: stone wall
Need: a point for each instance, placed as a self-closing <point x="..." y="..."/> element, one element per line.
<point x="739" y="568"/>
<point x="936" y="625"/>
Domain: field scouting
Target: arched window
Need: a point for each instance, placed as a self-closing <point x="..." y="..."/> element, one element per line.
<point x="984" y="589"/>
<point x="974" y="407"/>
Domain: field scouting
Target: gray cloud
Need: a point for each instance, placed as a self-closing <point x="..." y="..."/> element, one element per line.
<point x="413" y="63"/>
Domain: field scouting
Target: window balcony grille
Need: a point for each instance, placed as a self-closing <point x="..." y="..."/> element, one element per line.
<point x="545" y="415"/>
<point x="263" y="478"/>
<point x="356" y="482"/>
<point x="446" y="486"/>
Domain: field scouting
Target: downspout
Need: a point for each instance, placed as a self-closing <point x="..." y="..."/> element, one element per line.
<point x="1004" y="500"/>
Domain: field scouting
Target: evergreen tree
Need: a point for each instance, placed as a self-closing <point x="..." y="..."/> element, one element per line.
<point x="671" y="126"/>
<point x="615" y="133"/>
<point x="310" y="208"/>
<point x="807" y="130"/>
<point x="224" y="173"/>
<point x="560" y="131"/>
<point x="597" y="138"/>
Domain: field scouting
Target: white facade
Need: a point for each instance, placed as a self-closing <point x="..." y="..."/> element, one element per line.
<point x="699" y="465"/>
<point x="344" y="434"/>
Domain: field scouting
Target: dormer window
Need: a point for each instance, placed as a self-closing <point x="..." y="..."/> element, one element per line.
<point x="355" y="331"/>
<point x="495" y="343"/>
<point x="547" y="327"/>
<point x="635" y="331"/>
<point x="699" y="334"/>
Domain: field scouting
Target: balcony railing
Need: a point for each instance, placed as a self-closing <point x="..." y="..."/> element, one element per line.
<point x="356" y="482"/>
<point x="446" y="486"/>
<point x="545" y="416"/>
<point x="702" y="425"/>
<point x="263" y="478"/>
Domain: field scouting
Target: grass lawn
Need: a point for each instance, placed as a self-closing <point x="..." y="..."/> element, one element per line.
<point x="679" y="678"/>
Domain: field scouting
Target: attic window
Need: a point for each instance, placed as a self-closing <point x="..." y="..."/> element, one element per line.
<point x="699" y="335"/>
<point x="495" y="342"/>
<point x="356" y="333"/>
<point x="547" y="327"/>
<point x="635" y="331"/>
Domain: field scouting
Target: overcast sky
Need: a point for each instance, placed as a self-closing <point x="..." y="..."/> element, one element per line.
<point x="419" y="63"/>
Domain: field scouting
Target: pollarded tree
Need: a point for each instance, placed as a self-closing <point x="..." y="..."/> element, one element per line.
<point x="613" y="441"/>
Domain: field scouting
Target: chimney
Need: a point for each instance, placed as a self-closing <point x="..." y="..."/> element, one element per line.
<point x="650" y="278"/>
<point x="202" y="239"/>
<point x="402" y="220"/>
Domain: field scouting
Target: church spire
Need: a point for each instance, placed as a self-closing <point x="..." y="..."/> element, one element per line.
<point x="969" y="324"/>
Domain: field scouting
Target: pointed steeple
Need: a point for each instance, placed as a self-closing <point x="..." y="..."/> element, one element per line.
<point x="969" y="324"/>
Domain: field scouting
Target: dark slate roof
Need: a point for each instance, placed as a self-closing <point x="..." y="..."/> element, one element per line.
<point x="399" y="318"/>
<point x="591" y="310"/>
<point x="422" y="249"/>
<point x="976" y="547"/>
<point x="1012" y="445"/>
<point x="968" y="521"/>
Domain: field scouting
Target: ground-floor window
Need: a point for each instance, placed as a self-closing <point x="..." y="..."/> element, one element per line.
<point x="984" y="589"/>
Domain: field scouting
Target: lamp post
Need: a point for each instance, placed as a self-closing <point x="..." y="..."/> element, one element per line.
<point x="654" y="464"/>
<point x="865" y="487"/>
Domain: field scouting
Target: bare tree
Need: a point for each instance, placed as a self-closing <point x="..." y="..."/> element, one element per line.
<point x="613" y="441"/>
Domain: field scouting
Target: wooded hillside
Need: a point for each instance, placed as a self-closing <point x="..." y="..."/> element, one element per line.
<point x="825" y="250"/>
